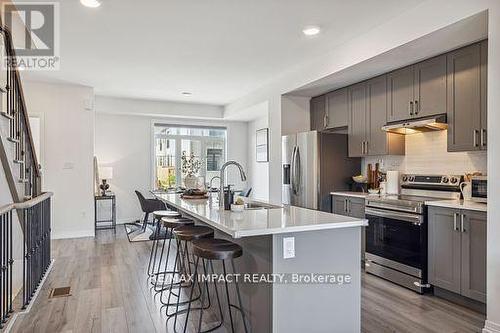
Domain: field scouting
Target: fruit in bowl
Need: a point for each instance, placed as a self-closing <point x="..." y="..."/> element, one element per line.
<point x="360" y="179"/>
<point x="238" y="205"/>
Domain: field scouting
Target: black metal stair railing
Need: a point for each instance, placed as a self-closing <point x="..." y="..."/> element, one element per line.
<point x="35" y="218"/>
<point x="6" y="257"/>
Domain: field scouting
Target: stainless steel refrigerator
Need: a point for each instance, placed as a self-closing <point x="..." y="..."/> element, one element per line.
<point x="313" y="165"/>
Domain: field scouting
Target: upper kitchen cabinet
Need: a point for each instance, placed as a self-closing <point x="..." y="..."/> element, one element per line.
<point x="318" y="113"/>
<point x="337" y="113"/>
<point x="367" y="115"/>
<point x="400" y="93"/>
<point x="417" y="91"/>
<point x="466" y="111"/>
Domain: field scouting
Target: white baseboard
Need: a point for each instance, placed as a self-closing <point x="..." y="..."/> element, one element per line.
<point x="491" y="327"/>
<point x="73" y="234"/>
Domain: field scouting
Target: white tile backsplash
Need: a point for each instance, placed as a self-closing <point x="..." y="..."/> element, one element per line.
<point x="426" y="153"/>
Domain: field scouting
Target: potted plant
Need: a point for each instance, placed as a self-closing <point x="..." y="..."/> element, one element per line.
<point x="190" y="166"/>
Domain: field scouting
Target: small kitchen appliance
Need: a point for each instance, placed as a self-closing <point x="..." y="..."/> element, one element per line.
<point x="479" y="188"/>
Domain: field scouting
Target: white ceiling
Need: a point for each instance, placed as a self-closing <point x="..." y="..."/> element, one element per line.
<point x="219" y="50"/>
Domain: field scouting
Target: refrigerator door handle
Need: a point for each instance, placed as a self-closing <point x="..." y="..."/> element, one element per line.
<point x="297" y="170"/>
<point x="293" y="171"/>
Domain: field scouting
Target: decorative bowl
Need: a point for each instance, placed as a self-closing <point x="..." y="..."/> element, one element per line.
<point x="374" y="190"/>
<point x="360" y="179"/>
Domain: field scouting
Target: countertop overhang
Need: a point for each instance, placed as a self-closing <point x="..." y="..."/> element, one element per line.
<point x="258" y="222"/>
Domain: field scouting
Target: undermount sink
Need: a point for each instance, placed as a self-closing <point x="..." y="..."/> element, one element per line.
<point x="258" y="205"/>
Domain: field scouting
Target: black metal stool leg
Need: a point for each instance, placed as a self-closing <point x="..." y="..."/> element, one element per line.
<point x="154" y="249"/>
<point x="239" y="300"/>
<point x="191" y="294"/>
<point x="227" y="295"/>
<point x="157" y="274"/>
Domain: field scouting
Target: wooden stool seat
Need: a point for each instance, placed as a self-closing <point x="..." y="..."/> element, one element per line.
<point x="192" y="232"/>
<point x="169" y="222"/>
<point x="216" y="249"/>
<point x="158" y="214"/>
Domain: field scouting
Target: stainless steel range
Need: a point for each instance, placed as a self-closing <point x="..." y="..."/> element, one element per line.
<point x="396" y="237"/>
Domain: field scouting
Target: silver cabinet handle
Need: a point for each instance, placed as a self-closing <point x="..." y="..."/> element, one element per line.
<point x="362" y="147"/>
<point x="348" y="206"/>
<point x="345" y="205"/>
<point x="416" y="107"/>
<point x="366" y="147"/>
<point x="455" y="217"/>
<point x="462" y="227"/>
<point x="411" y="108"/>
<point x="325" y="120"/>
<point x="483" y="137"/>
<point x="476" y="132"/>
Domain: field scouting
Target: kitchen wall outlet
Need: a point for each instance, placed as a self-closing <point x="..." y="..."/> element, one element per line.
<point x="288" y="247"/>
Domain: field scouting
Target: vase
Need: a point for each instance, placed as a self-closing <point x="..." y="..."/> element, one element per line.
<point x="191" y="182"/>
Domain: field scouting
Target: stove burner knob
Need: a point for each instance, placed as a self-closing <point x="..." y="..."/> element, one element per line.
<point x="411" y="178"/>
<point x="445" y="180"/>
<point x="405" y="178"/>
<point x="453" y="180"/>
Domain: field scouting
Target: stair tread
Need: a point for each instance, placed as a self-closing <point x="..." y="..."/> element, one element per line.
<point x="6" y="115"/>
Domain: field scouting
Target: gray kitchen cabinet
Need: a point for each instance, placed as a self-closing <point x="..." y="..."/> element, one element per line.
<point x="466" y="95"/>
<point x="444" y="249"/>
<point x="337" y="113"/>
<point x="400" y="89"/>
<point x="318" y="113"/>
<point x="430" y="87"/>
<point x="417" y="91"/>
<point x="357" y="119"/>
<point x="348" y="206"/>
<point x="457" y="251"/>
<point x="367" y="115"/>
<point x="484" y="94"/>
<point x="474" y="256"/>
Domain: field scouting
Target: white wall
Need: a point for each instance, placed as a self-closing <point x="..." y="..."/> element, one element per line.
<point x="258" y="172"/>
<point x="124" y="143"/>
<point x="426" y="153"/>
<point x="68" y="148"/>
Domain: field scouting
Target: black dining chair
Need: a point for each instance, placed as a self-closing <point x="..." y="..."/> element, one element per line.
<point x="148" y="206"/>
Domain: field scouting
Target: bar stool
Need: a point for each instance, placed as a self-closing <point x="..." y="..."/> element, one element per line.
<point x="169" y="223"/>
<point x="184" y="235"/>
<point x="157" y="216"/>
<point x="217" y="249"/>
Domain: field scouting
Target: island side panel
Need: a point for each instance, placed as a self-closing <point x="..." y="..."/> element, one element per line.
<point x="256" y="297"/>
<point x="327" y="308"/>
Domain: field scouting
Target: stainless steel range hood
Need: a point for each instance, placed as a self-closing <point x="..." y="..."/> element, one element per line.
<point x="435" y="123"/>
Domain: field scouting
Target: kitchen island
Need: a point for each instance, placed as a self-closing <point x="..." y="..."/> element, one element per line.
<point x="317" y="285"/>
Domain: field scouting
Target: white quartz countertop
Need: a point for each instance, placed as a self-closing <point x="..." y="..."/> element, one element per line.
<point x="459" y="204"/>
<point x="361" y="195"/>
<point x="258" y="222"/>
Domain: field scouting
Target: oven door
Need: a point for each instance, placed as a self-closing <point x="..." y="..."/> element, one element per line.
<point x="397" y="236"/>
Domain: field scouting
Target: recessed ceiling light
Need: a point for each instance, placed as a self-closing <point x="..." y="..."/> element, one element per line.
<point x="91" y="3"/>
<point x="311" y="30"/>
<point x="186" y="93"/>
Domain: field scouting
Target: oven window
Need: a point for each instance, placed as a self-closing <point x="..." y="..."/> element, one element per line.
<point x="396" y="240"/>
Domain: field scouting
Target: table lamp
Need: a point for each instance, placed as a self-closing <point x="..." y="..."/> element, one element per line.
<point x="105" y="174"/>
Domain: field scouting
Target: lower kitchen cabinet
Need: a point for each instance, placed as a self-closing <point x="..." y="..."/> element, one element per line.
<point x="457" y="251"/>
<point x="353" y="207"/>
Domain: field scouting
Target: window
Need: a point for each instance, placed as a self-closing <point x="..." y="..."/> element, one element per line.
<point x="207" y="144"/>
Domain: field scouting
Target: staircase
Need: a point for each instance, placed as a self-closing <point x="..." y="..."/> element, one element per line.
<point x="25" y="224"/>
<point x="17" y="153"/>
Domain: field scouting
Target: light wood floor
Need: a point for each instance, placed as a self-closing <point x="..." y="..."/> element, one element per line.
<point x="110" y="294"/>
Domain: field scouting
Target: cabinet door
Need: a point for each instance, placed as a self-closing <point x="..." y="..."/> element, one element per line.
<point x="357" y="119"/>
<point x="444" y="248"/>
<point x="356" y="208"/>
<point x="339" y="205"/>
<point x="473" y="283"/>
<point x="338" y="113"/>
<point x="464" y="99"/>
<point x="400" y="88"/>
<point x="484" y="99"/>
<point x="377" y="113"/>
<point x="318" y="112"/>
<point x="430" y="87"/>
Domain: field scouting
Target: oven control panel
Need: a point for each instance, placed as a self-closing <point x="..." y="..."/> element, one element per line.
<point x="434" y="180"/>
